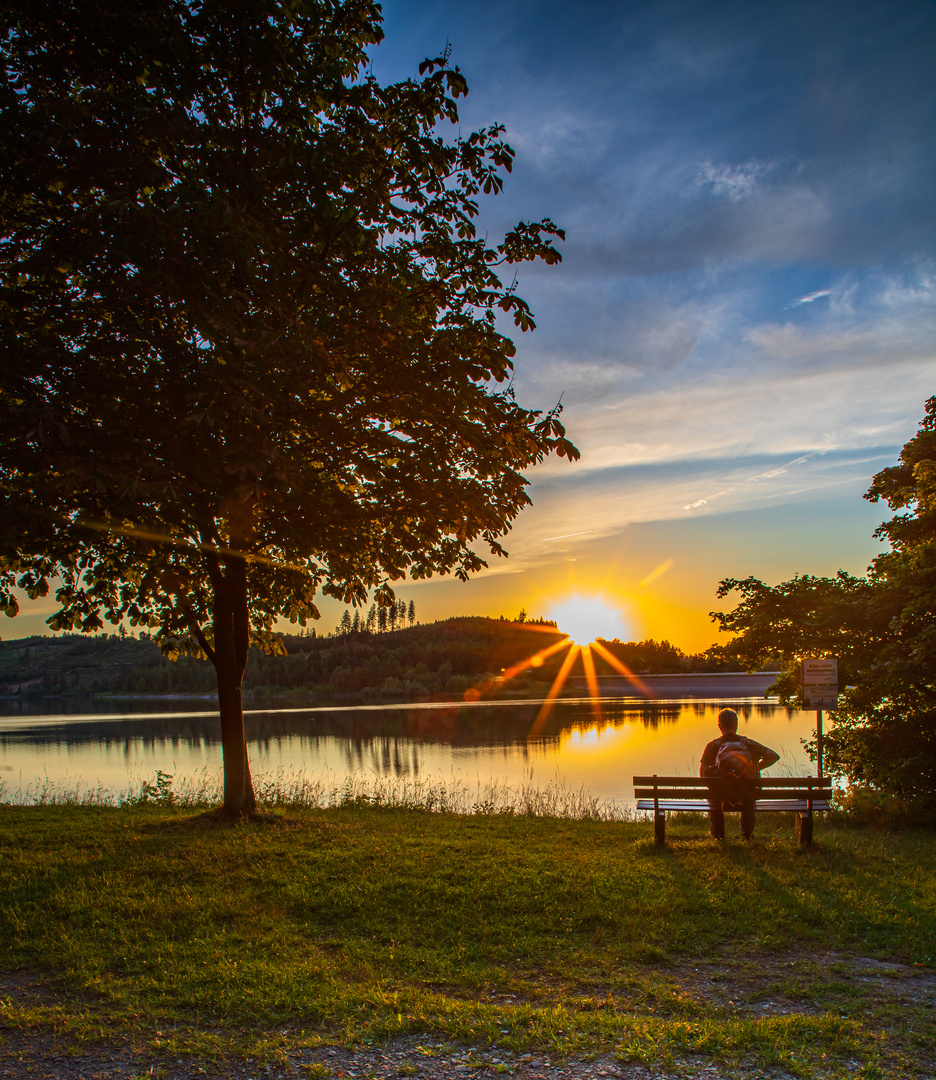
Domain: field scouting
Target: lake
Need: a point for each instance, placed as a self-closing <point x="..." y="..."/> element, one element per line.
<point x="590" y="745"/>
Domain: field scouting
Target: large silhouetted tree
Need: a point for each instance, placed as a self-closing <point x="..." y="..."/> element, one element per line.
<point x="248" y="328"/>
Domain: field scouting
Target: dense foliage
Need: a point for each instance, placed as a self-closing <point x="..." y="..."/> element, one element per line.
<point x="249" y="328"/>
<point x="881" y="627"/>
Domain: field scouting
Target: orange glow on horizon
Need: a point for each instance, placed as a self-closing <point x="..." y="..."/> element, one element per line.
<point x="657" y="572"/>
<point x="656" y="590"/>
<point x="538" y="627"/>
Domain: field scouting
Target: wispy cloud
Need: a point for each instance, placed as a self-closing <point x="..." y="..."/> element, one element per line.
<point x="737" y="182"/>
<point x="770" y="474"/>
<point x="614" y="500"/>
<point x="564" y="137"/>
<point x="810" y="297"/>
<point x="780" y="470"/>
<point x="709" y="499"/>
<point x="565" y="536"/>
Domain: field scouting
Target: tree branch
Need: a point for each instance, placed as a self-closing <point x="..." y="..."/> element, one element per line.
<point x="199" y="633"/>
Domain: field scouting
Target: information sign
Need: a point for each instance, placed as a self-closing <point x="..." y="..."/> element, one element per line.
<point x="820" y="683"/>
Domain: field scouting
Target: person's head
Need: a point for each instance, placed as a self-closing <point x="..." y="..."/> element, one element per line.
<point x="728" y="721"/>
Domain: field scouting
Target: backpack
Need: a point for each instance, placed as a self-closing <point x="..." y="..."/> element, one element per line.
<point x="734" y="760"/>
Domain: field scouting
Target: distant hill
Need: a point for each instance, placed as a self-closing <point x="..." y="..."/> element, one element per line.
<point x="72" y="663"/>
<point x="432" y="660"/>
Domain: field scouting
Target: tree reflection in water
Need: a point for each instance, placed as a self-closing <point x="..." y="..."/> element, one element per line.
<point x="477" y="741"/>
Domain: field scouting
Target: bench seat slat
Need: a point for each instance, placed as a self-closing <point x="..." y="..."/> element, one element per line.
<point x="764" y="792"/>
<point x="764" y="805"/>
<point x="670" y="781"/>
<point x="797" y="781"/>
<point x="771" y="781"/>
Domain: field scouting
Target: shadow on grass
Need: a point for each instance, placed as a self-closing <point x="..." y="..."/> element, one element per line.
<point x="221" y="820"/>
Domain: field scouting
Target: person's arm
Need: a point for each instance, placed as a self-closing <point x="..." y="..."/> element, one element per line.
<point x="707" y="762"/>
<point x="763" y="755"/>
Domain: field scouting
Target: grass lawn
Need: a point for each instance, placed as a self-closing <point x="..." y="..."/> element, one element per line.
<point x="158" y="927"/>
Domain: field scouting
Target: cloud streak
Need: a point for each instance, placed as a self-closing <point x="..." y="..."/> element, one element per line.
<point x="819" y="294"/>
<point x="736" y="182"/>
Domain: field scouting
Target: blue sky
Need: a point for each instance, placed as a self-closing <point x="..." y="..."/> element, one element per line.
<point x="743" y="329"/>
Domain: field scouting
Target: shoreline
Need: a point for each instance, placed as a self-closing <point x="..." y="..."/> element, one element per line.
<point x="645" y="686"/>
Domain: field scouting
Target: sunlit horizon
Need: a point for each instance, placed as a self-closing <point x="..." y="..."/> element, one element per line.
<point x="582" y="620"/>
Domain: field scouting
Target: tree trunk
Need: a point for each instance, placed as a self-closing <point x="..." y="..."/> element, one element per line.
<point x="231" y="643"/>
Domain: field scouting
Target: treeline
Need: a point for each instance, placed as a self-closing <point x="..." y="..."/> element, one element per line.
<point x="379" y="619"/>
<point x="661" y="658"/>
<point x="383" y="619"/>
<point x="414" y="662"/>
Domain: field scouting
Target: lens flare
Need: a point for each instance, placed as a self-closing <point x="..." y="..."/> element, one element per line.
<point x="586" y="618"/>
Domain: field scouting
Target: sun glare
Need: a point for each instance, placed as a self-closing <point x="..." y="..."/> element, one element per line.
<point x="581" y="621"/>
<point x="585" y="619"/>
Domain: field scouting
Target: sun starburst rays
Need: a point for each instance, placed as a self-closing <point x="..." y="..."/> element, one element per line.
<point x="537" y="659"/>
<point x="591" y="680"/>
<point x="546" y="708"/>
<point x="584" y="622"/>
<point x="621" y="667"/>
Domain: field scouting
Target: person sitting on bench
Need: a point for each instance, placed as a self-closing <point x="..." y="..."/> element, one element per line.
<point x="737" y="761"/>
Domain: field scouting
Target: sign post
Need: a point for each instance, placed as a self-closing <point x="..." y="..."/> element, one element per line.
<point x="820" y="691"/>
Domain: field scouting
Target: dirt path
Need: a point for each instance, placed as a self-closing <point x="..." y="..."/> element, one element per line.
<point x="896" y="999"/>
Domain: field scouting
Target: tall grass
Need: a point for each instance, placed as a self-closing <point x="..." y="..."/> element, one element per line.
<point x="298" y="788"/>
<point x="453" y="795"/>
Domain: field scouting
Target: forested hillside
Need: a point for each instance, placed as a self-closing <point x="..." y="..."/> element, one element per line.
<point x="443" y="658"/>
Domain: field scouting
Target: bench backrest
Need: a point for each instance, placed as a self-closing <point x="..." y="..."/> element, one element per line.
<point x="699" y="787"/>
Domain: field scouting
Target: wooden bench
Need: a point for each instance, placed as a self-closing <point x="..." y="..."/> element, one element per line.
<point x="800" y="795"/>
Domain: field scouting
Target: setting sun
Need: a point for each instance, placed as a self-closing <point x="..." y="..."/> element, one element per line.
<point x="587" y="618"/>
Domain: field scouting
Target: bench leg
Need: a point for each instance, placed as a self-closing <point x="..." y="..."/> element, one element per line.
<point x="804" y="828"/>
<point x="659" y="827"/>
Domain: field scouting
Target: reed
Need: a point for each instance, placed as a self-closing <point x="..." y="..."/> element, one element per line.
<point x="297" y="788"/>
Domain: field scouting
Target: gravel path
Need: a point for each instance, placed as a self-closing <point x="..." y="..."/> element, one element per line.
<point x="35" y="1054"/>
<point x="38" y="1059"/>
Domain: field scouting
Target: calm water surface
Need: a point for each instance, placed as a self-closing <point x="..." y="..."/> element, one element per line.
<point x="591" y="745"/>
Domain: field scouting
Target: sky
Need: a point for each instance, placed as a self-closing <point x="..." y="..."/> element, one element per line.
<point x="743" y="328"/>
